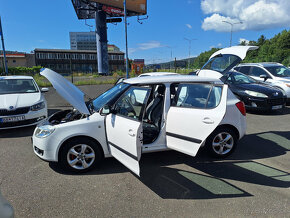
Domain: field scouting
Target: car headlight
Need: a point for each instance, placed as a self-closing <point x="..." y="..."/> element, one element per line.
<point x="256" y="94"/>
<point x="44" y="131"/>
<point x="37" y="106"/>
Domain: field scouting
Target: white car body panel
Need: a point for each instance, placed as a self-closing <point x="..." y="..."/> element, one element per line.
<point x="195" y="124"/>
<point x="14" y="101"/>
<point x="240" y="51"/>
<point x="67" y="90"/>
<point x="125" y="140"/>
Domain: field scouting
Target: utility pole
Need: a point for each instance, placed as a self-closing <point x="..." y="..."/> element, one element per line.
<point x="170" y="56"/>
<point x="126" y="38"/>
<point x="232" y="24"/>
<point x="189" y="48"/>
<point x="3" y="47"/>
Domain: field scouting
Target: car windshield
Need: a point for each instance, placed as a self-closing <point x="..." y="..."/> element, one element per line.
<point x="107" y="96"/>
<point x="279" y="71"/>
<point x="222" y="63"/>
<point x="13" y="86"/>
<point x="239" y="78"/>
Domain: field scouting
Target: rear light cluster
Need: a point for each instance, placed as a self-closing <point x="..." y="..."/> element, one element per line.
<point x="241" y="106"/>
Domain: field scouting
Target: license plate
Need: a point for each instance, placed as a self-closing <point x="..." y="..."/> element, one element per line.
<point x="11" y="119"/>
<point x="277" y="107"/>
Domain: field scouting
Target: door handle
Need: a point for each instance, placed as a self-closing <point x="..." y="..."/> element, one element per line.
<point x="131" y="133"/>
<point x="207" y="120"/>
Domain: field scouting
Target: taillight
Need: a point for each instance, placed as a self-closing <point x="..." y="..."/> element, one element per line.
<point x="241" y="106"/>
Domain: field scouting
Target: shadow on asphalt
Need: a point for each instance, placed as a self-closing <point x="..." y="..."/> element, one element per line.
<point x="22" y="131"/>
<point x="161" y="176"/>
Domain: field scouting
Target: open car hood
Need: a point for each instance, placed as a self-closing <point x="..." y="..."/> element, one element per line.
<point x="67" y="90"/>
<point x="240" y="51"/>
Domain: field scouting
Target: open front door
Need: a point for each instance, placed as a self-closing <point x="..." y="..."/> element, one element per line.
<point x="197" y="110"/>
<point x="124" y="127"/>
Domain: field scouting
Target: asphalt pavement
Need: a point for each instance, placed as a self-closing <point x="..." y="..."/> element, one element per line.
<point x="254" y="181"/>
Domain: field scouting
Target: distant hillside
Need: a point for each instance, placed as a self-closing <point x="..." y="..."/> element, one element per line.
<point x="183" y="63"/>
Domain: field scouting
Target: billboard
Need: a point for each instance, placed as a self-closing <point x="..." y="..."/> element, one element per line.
<point x="136" y="6"/>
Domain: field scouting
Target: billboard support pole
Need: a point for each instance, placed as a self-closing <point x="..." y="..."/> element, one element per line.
<point x="101" y="38"/>
<point x="126" y="37"/>
<point x="3" y="47"/>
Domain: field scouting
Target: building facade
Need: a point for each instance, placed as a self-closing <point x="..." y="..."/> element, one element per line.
<point x="64" y="60"/>
<point x="83" y="41"/>
<point x="17" y="59"/>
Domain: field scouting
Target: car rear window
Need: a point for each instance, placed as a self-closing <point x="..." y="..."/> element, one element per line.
<point x="197" y="95"/>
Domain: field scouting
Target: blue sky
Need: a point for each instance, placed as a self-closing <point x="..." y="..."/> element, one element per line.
<point x="46" y="24"/>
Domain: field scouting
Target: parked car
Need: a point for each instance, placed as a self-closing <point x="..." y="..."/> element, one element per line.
<point x="272" y="73"/>
<point x="222" y="61"/>
<point x="21" y="102"/>
<point x="256" y="95"/>
<point x="182" y="113"/>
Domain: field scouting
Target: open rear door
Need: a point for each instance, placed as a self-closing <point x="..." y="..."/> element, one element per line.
<point x="188" y="127"/>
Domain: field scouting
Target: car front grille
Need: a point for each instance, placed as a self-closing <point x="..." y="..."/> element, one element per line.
<point x="17" y="111"/>
<point x="276" y="101"/>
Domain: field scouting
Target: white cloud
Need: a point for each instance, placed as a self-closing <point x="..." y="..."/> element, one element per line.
<point x="255" y="14"/>
<point x="244" y="40"/>
<point x="219" y="45"/>
<point x="146" y="46"/>
<point x="189" y="26"/>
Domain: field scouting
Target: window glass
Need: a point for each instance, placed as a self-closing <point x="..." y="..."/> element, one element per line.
<point x="221" y="63"/>
<point x="239" y="78"/>
<point x="10" y="86"/>
<point x="197" y="96"/>
<point x="132" y="102"/>
<point x="244" y="70"/>
<point x="279" y="71"/>
<point x="257" y="71"/>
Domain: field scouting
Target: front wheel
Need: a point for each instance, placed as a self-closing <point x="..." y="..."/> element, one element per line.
<point x="222" y="142"/>
<point x="80" y="155"/>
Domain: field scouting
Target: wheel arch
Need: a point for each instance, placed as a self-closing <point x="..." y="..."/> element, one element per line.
<point x="80" y="137"/>
<point x="230" y="127"/>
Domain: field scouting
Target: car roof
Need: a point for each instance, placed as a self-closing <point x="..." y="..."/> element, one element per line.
<point x="16" y="77"/>
<point x="261" y="64"/>
<point x="158" y="74"/>
<point x="170" y="79"/>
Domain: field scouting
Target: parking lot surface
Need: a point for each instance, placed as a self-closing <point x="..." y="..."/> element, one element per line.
<point x="254" y="181"/>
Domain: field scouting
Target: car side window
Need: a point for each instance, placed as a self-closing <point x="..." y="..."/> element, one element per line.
<point x="131" y="104"/>
<point x="257" y="71"/>
<point x="244" y="70"/>
<point x="197" y="95"/>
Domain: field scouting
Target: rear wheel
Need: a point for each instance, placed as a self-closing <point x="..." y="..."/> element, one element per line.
<point x="80" y="155"/>
<point x="222" y="142"/>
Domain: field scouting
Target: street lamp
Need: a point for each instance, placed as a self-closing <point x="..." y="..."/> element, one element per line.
<point x="232" y="24"/>
<point x="189" y="48"/>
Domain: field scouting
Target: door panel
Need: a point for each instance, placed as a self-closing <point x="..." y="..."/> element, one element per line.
<point x="187" y="127"/>
<point x="125" y="140"/>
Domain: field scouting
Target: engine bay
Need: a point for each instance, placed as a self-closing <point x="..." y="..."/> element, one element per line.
<point x="65" y="116"/>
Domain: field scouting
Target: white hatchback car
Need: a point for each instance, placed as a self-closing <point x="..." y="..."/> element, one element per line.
<point x="182" y="113"/>
<point x="21" y="102"/>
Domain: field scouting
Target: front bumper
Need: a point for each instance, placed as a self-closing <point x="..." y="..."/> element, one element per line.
<point x="264" y="104"/>
<point x="30" y="118"/>
<point x="42" y="150"/>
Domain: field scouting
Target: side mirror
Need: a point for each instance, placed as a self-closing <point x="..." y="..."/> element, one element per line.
<point x="265" y="77"/>
<point x="44" y="89"/>
<point x="105" y="110"/>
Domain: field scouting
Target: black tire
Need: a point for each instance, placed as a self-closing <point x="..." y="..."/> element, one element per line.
<point x="223" y="149"/>
<point x="67" y="155"/>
